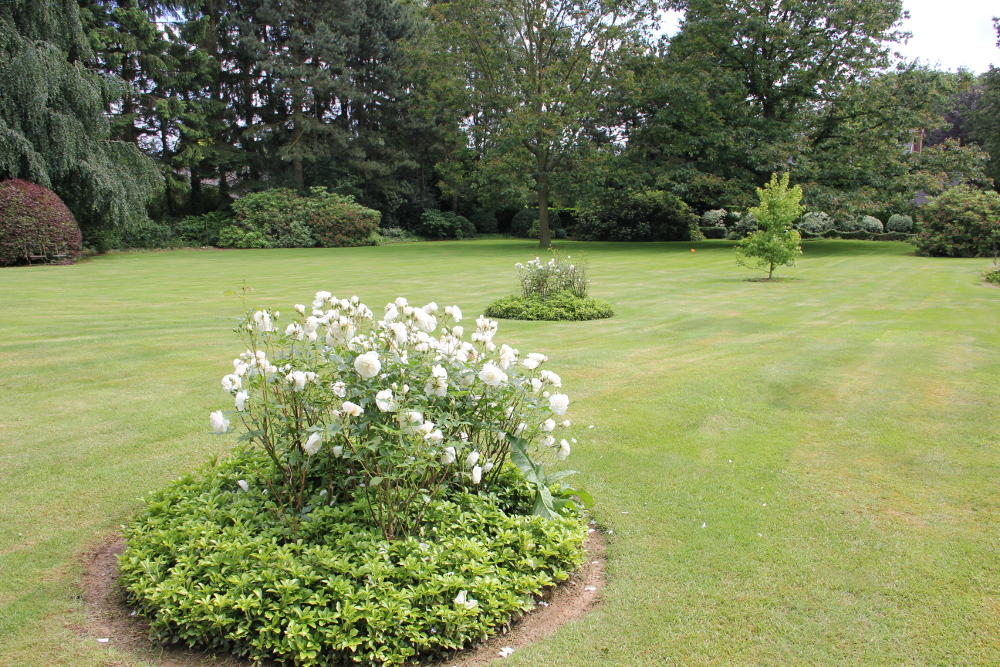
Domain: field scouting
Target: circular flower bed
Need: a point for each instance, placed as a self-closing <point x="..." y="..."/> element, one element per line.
<point x="558" y="306"/>
<point x="553" y="290"/>
<point x="209" y="566"/>
<point x="391" y="500"/>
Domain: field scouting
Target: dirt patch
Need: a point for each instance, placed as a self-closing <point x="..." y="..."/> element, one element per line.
<point x="109" y="617"/>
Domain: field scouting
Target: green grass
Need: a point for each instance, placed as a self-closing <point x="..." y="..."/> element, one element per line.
<point x="800" y="472"/>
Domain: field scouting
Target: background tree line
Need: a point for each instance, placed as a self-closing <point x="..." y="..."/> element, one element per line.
<point x="140" y="112"/>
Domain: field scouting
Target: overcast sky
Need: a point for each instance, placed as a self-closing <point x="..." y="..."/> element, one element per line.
<point x="946" y="33"/>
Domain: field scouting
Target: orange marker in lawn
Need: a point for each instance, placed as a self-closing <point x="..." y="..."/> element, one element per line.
<point x="692" y="249"/>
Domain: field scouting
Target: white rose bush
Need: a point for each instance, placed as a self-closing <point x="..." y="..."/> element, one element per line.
<point x="402" y="447"/>
<point x="371" y="404"/>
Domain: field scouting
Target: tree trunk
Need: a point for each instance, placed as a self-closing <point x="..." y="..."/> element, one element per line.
<point x="544" y="234"/>
<point x="196" y="203"/>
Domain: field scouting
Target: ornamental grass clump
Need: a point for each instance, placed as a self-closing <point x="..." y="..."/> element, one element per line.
<point x="390" y="498"/>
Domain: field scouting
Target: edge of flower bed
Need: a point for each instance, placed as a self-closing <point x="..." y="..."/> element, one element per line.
<point x="109" y="617"/>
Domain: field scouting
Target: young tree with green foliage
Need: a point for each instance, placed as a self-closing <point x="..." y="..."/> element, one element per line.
<point x="538" y="73"/>
<point x="777" y="242"/>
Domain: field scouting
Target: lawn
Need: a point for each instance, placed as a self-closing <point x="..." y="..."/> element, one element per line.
<point x="801" y="472"/>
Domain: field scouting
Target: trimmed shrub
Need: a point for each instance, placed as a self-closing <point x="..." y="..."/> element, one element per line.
<point x="143" y="234"/>
<point x="847" y="223"/>
<point x="746" y="225"/>
<point x="440" y="225"/>
<point x="814" y="223"/>
<point x="35" y="221"/>
<point x="649" y="215"/>
<point x="485" y="222"/>
<point x="337" y="221"/>
<point x="559" y="306"/>
<point x="277" y="214"/>
<point x="713" y="232"/>
<point x="899" y="223"/>
<point x="714" y="218"/>
<point x="235" y="236"/>
<point x="286" y="220"/>
<point x="870" y="224"/>
<point x="961" y="222"/>
<point x="866" y="236"/>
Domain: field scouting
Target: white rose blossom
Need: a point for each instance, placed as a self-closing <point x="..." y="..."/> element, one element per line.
<point x="492" y="375"/>
<point x="508" y="355"/>
<point x="219" y="422"/>
<point x="321" y="298"/>
<point x="339" y="389"/>
<point x="563" y="450"/>
<point x="548" y="425"/>
<point x="367" y="365"/>
<point x="352" y="409"/>
<point x="448" y="456"/>
<point x="477" y="475"/>
<point x="551" y="378"/>
<point x="241" y="400"/>
<point x="313" y="444"/>
<point x="558" y="403"/>
<point x="231" y="383"/>
<point x="471" y="459"/>
<point x="384" y="401"/>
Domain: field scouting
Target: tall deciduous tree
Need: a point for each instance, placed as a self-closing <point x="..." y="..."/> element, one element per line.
<point x="748" y="85"/>
<point x="538" y="73"/>
<point x="54" y="127"/>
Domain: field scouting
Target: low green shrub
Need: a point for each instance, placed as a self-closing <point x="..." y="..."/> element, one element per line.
<point x="870" y="224"/>
<point x="559" y="306"/>
<point x="286" y="220"/>
<point x="389" y="235"/>
<point x="646" y="215"/>
<point x="524" y="224"/>
<point x="992" y="275"/>
<point x="202" y="230"/>
<point x="277" y="214"/>
<point x="485" y="222"/>
<point x="714" y="218"/>
<point x="713" y="232"/>
<point x="848" y="223"/>
<point x="337" y="221"/>
<point x="814" y="223"/>
<point x="234" y="236"/>
<point x="440" y="225"/>
<point x="961" y="222"/>
<point x="866" y="236"/>
<point x="208" y="566"/>
<point x="746" y="225"/>
<point x="899" y="223"/>
<point x="35" y="221"/>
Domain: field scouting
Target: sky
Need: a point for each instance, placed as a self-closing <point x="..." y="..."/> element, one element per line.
<point x="947" y="34"/>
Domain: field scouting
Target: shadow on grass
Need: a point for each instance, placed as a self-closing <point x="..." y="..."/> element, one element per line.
<point x="775" y="279"/>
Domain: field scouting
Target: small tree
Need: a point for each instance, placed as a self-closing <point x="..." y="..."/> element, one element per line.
<point x="776" y="242"/>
